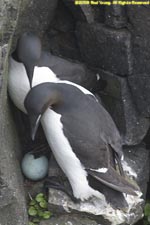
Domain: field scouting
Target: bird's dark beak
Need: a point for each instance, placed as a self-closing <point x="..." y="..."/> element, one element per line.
<point x="30" y="71"/>
<point x="34" y="124"/>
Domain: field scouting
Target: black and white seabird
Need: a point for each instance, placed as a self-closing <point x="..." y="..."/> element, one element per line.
<point x="30" y="66"/>
<point x="24" y="72"/>
<point x="80" y="132"/>
<point x="81" y="135"/>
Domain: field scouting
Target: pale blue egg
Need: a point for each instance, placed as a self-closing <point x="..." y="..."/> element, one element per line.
<point x="34" y="168"/>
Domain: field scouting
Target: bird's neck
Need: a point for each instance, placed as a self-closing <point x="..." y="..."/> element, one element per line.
<point x="15" y="56"/>
<point x="43" y="75"/>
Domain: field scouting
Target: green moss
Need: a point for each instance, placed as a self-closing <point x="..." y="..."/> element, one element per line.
<point x="146" y="219"/>
<point x="38" y="209"/>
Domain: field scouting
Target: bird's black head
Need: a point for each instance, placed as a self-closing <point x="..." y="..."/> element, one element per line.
<point x="38" y="100"/>
<point x="28" y="51"/>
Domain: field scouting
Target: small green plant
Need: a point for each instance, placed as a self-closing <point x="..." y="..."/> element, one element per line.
<point x="38" y="209"/>
<point x="147" y="214"/>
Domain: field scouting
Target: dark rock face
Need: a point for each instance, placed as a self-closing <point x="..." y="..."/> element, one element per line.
<point x="112" y="47"/>
<point x="61" y="38"/>
<point x="111" y="41"/>
<point x="139" y="27"/>
<point x="35" y="16"/>
<point x="80" y="12"/>
<point x="62" y="43"/>
<point x="117" y="99"/>
<point x="12" y="196"/>
<point x="140" y="87"/>
<point x="86" y="13"/>
<point x="115" y="16"/>
<point x="139" y="81"/>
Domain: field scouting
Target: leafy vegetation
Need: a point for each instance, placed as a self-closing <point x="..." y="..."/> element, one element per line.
<point x="147" y="214"/>
<point x="38" y="209"/>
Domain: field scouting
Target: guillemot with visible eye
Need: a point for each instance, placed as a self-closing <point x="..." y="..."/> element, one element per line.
<point x="81" y="135"/>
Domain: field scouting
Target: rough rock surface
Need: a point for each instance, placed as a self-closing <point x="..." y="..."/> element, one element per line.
<point x="113" y="39"/>
<point x="12" y="197"/>
<point x="115" y="16"/>
<point x="61" y="38"/>
<point x="117" y="99"/>
<point x="135" y="156"/>
<point x="67" y="220"/>
<point x="81" y="12"/>
<point x="98" y="210"/>
<point x="140" y="87"/>
<point x="86" y="13"/>
<point x="112" y="48"/>
<point x="139" y="27"/>
<point x="140" y="80"/>
<point x="35" y="16"/>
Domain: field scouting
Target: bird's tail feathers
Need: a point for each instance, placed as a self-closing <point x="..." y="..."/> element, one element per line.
<point x="114" y="180"/>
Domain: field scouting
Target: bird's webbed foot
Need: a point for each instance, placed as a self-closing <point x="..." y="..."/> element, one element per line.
<point x="55" y="183"/>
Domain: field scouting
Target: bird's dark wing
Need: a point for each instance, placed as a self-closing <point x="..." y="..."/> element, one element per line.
<point x="95" y="154"/>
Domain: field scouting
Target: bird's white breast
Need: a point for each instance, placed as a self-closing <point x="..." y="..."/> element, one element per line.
<point x="18" y="83"/>
<point x="60" y="145"/>
<point x="45" y="74"/>
<point x="42" y="75"/>
<point x="65" y="157"/>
